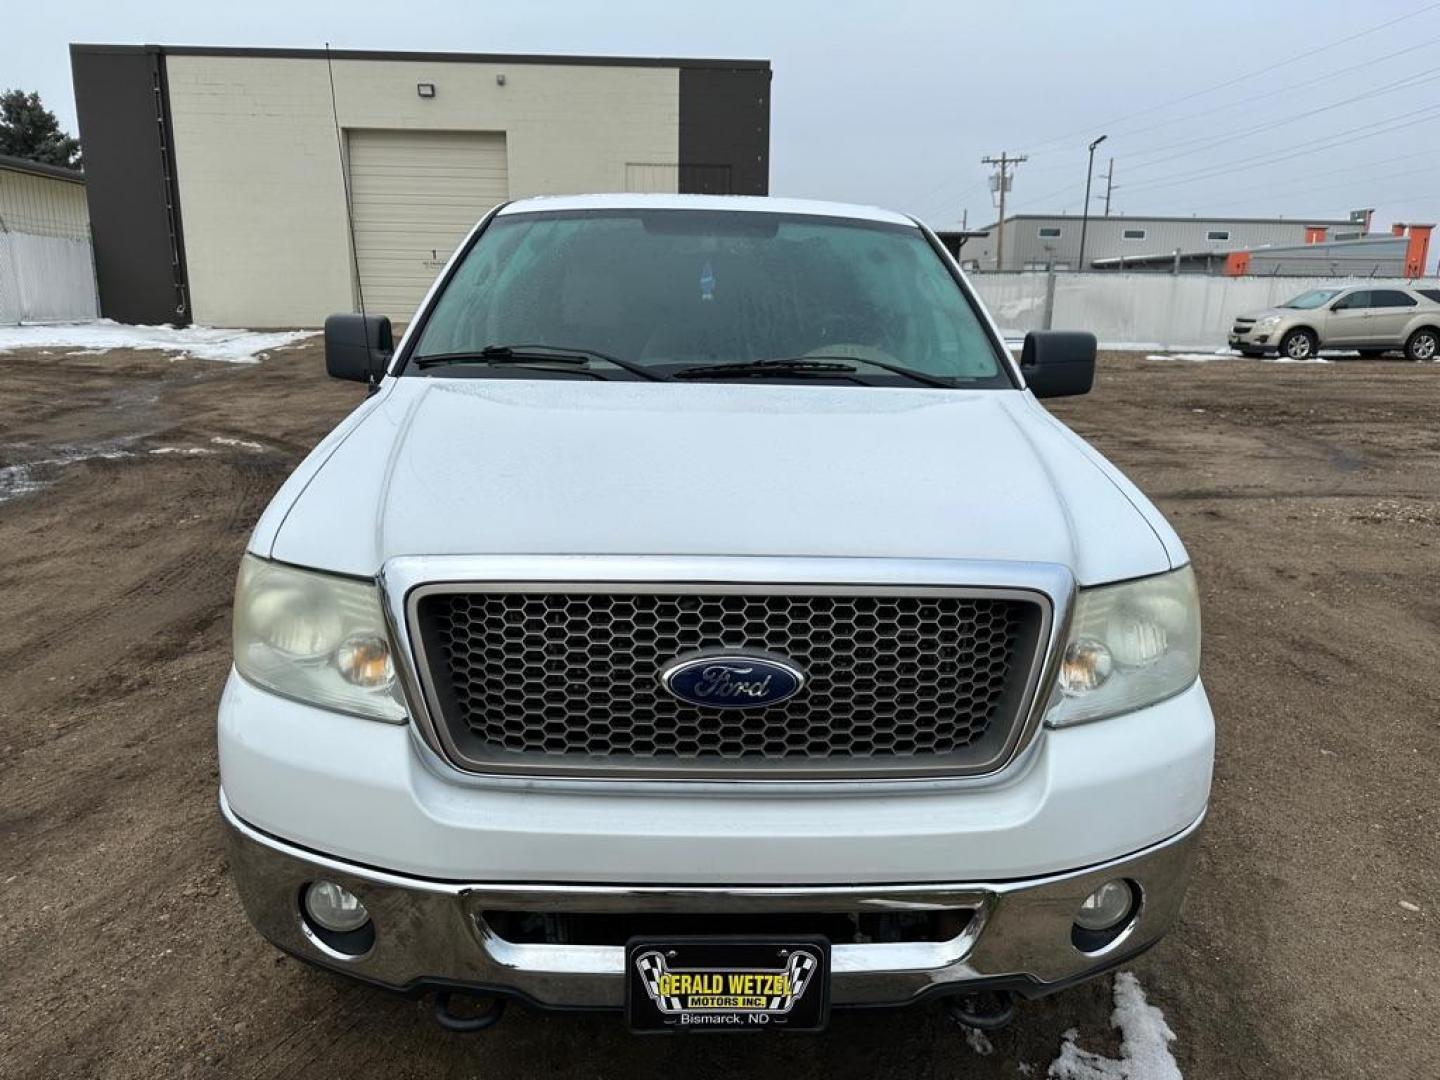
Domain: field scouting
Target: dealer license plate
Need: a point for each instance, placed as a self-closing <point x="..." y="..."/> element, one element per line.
<point x="727" y="984"/>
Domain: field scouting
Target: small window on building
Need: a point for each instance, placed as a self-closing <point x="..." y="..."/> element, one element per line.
<point x="1133" y="234"/>
<point x="1049" y="232"/>
<point x="1347" y="236"/>
<point x="1218" y="234"/>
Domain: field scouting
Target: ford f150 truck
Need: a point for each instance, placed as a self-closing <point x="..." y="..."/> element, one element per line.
<point x="701" y="617"/>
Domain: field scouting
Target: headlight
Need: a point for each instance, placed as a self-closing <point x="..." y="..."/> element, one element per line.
<point x="316" y="638"/>
<point x="1269" y="322"/>
<point x="1130" y="645"/>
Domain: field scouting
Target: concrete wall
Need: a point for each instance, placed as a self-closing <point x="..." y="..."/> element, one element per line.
<point x="262" y="194"/>
<point x="1184" y="311"/>
<point x="46" y="270"/>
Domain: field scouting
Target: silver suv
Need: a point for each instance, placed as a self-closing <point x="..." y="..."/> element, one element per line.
<point x="1371" y="321"/>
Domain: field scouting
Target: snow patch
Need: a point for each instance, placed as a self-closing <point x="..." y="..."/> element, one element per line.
<point x="1144" y="1043"/>
<point x="21" y="479"/>
<point x="977" y="1041"/>
<point x="189" y="451"/>
<point x="200" y="342"/>
<point x="1226" y="354"/>
<point x="243" y="444"/>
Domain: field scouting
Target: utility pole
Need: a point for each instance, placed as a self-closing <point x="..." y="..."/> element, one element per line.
<point x="1085" y="213"/>
<point x="1001" y="183"/>
<point x="1109" y="185"/>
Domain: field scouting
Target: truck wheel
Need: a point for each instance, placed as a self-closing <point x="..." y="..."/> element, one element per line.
<point x="1299" y="345"/>
<point x="1424" y="344"/>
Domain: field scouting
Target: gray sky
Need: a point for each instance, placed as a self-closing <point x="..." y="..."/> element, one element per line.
<point x="895" y="102"/>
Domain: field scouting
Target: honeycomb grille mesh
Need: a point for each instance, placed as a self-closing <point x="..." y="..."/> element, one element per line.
<point x="577" y="675"/>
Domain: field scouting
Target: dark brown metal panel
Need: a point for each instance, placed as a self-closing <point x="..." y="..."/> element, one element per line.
<point x="725" y="130"/>
<point x="121" y="101"/>
<point x="439" y="57"/>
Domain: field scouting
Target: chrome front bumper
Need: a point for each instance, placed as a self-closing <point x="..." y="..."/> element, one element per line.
<point x="433" y="933"/>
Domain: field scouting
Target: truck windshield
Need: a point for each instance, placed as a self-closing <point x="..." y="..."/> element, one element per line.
<point x="1312" y="299"/>
<point x="678" y="289"/>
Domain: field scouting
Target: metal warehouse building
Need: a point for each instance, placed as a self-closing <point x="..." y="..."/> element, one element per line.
<point x="45" y="265"/>
<point x="1052" y="241"/>
<point x="218" y="180"/>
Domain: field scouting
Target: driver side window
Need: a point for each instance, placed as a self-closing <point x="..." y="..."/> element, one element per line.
<point x="1351" y="301"/>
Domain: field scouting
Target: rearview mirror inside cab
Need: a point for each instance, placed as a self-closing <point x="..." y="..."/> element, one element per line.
<point x="358" y="347"/>
<point x="1058" y="363"/>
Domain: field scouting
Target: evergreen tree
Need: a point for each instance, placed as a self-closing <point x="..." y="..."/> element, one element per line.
<point x="29" y="130"/>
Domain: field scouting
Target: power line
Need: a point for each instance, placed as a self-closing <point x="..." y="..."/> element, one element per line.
<point x="1287" y="153"/>
<point x="1206" y="142"/>
<point x="1341" y="184"/>
<point x="1301" y="55"/>
<point x="1430" y="113"/>
<point x="1329" y="76"/>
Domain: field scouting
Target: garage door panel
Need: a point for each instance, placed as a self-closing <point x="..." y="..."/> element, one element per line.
<point x="416" y="194"/>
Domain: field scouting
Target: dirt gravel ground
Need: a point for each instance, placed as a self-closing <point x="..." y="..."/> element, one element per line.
<point x="1308" y="948"/>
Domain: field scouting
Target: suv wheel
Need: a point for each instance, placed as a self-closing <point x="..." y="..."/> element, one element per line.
<point x="1424" y="344"/>
<point x="1299" y="345"/>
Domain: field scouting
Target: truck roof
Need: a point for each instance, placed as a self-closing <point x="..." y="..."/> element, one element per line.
<point x="760" y="204"/>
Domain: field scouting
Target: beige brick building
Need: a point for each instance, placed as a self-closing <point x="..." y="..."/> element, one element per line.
<point x="220" y="178"/>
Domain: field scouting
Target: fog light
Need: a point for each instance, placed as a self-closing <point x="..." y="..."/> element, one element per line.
<point x="335" y="908"/>
<point x="1106" y="906"/>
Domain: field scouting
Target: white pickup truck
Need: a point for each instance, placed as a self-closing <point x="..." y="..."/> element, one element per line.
<point x="702" y="618"/>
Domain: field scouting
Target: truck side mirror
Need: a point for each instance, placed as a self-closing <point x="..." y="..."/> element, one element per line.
<point x="358" y="347"/>
<point x="1058" y="363"/>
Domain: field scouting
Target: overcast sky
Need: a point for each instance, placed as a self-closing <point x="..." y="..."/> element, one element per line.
<point x="895" y="102"/>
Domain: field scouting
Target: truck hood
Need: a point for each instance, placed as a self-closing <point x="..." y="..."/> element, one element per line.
<point x="520" y="466"/>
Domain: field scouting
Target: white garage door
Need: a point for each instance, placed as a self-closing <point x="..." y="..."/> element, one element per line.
<point x="415" y="195"/>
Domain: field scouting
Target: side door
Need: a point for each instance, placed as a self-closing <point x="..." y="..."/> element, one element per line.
<point x="1390" y="312"/>
<point x="1347" y="320"/>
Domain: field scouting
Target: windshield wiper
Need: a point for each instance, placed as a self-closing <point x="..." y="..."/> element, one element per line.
<point x="499" y="355"/>
<point x="894" y="369"/>
<point x="750" y="369"/>
<point x="812" y="364"/>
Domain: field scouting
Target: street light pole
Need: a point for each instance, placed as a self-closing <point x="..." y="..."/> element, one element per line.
<point x="1085" y="214"/>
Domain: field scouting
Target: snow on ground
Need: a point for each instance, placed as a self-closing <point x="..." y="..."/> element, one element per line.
<point x="1144" y="1043"/>
<point x="1227" y="354"/>
<point x="21" y="479"/>
<point x="200" y="342"/>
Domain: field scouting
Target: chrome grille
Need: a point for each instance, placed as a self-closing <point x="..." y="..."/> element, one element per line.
<point x="572" y="679"/>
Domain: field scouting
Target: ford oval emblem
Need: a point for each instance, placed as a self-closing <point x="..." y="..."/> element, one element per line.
<point x="732" y="680"/>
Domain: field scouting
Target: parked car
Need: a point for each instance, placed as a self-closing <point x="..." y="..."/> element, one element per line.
<point x="1362" y="318"/>
<point x="703" y="618"/>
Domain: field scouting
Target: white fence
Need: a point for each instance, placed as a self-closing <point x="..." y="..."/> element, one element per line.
<point x="1163" y="311"/>
<point x="45" y="279"/>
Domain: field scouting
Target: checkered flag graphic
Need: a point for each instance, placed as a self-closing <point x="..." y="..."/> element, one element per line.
<point x="651" y="966"/>
<point x="801" y="969"/>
